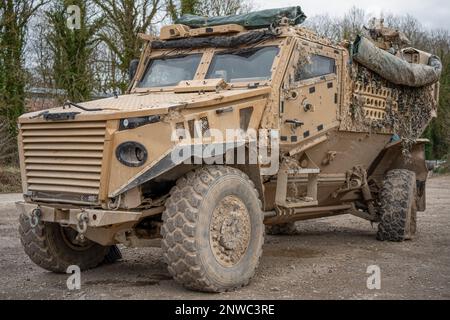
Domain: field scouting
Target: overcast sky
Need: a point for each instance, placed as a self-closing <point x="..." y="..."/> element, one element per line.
<point x="432" y="13"/>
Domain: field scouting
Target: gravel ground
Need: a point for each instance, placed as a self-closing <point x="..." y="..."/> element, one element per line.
<point x="328" y="259"/>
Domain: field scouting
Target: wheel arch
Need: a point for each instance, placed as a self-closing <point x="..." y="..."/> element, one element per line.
<point x="168" y="171"/>
<point x="252" y="171"/>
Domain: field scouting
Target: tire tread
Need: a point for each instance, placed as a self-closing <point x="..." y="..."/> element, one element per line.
<point x="395" y="197"/>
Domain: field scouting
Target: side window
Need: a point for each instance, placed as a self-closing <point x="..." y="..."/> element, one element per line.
<point x="318" y="66"/>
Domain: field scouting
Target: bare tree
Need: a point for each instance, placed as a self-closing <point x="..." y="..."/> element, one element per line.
<point x="125" y="20"/>
<point x="339" y="28"/>
<point x="213" y="8"/>
<point x="40" y="58"/>
<point x="208" y="8"/>
<point x="353" y="23"/>
<point x="325" y="26"/>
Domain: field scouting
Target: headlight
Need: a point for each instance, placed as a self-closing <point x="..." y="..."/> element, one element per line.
<point x="132" y="154"/>
<point x="133" y="123"/>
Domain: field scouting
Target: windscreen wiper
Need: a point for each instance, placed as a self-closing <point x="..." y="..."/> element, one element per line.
<point x="64" y="116"/>
<point x="69" y="104"/>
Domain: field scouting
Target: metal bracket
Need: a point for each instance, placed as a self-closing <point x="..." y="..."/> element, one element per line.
<point x="311" y="198"/>
<point x="354" y="181"/>
<point x="83" y="222"/>
<point x="35" y="218"/>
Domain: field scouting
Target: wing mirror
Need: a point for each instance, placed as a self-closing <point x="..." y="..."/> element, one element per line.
<point x="133" y="68"/>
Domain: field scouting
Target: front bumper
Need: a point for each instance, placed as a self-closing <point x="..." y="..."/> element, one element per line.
<point x="103" y="227"/>
<point x="94" y="218"/>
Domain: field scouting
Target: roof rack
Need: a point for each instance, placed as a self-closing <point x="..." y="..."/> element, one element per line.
<point x="178" y="31"/>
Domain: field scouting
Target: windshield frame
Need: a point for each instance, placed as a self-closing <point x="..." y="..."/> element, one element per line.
<point x="255" y="48"/>
<point x="208" y="55"/>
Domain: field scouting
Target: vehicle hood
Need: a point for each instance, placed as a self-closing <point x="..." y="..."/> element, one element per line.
<point x="146" y="104"/>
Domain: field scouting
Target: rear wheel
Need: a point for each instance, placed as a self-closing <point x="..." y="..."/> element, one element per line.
<point x="55" y="248"/>
<point x="398" y="208"/>
<point x="213" y="230"/>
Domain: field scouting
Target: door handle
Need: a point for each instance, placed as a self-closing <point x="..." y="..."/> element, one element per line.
<point x="296" y="123"/>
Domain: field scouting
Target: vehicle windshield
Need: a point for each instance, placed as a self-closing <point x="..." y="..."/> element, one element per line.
<point x="245" y="65"/>
<point x="170" y="71"/>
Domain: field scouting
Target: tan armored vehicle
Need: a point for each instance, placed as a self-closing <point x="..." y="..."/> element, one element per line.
<point x="230" y="125"/>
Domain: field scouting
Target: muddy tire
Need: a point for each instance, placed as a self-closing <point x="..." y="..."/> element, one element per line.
<point x="213" y="230"/>
<point x="113" y="255"/>
<point x="53" y="247"/>
<point x="286" y="229"/>
<point x="398" y="209"/>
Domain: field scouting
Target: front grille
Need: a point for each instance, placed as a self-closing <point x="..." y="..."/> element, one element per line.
<point x="63" y="158"/>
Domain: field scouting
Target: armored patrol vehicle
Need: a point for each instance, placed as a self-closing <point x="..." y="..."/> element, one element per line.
<point x="231" y="126"/>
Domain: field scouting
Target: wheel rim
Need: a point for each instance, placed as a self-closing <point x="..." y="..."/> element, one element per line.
<point x="230" y="231"/>
<point x="70" y="239"/>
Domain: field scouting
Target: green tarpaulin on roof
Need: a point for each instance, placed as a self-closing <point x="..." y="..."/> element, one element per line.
<point x="258" y="19"/>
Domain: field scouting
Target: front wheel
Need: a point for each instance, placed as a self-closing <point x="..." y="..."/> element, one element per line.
<point x="55" y="248"/>
<point x="213" y="230"/>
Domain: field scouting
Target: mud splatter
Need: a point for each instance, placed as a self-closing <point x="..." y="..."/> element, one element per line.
<point x="408" y="112"/>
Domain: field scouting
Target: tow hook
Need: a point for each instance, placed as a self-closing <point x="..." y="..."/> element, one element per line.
<point x="82" y="225"/>
<point x="35" y="218"/>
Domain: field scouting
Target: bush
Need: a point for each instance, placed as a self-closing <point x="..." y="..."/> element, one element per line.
<point x="9" y="164"/>
<point x="10" y="181"/>
<point x="8" y="146"/>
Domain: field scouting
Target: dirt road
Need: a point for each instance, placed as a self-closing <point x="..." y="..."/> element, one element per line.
<point x="328" y="259"/>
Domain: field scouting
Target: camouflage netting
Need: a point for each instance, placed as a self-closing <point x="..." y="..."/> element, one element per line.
<point x="416" y="108"/>
<point x="394" y="69"/>
<point x="249" y="38"/>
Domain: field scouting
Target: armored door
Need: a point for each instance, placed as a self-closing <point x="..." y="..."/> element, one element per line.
<point x="310" y="97"/>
